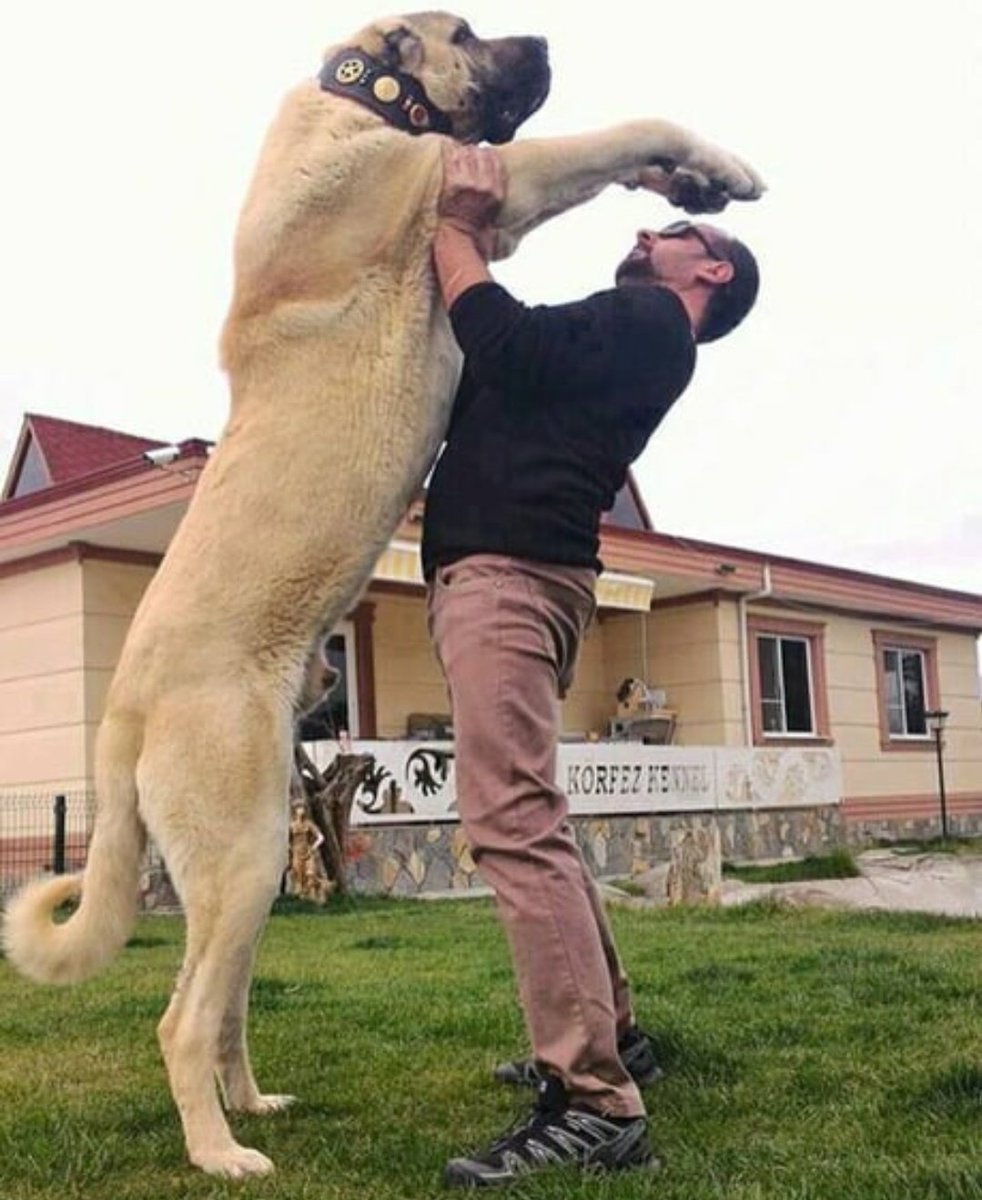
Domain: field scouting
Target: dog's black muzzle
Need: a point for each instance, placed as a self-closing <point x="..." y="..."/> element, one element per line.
<point x="515" y="87"/>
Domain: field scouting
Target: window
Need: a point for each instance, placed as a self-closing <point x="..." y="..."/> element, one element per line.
<point x="905" y="692"/>
<point x="787" y="681"/>
<point x="338" y="712"/>
<point x="785" y="685"/>
<point x="906" y="670"/>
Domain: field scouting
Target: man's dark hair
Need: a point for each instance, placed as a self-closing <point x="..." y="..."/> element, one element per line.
<point x="731" y="302"/>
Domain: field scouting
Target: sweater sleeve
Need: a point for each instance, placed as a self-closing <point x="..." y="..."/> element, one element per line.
<point x="617" y="336"/>
<point x="493" y="330"/>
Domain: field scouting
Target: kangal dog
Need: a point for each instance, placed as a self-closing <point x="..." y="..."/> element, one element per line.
<point x="342" y="368"/>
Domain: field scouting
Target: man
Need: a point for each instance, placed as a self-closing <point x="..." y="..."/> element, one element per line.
<point x="554" y="405"/>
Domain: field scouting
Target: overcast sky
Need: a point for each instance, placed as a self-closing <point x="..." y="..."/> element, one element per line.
<point x="840" y="424"/>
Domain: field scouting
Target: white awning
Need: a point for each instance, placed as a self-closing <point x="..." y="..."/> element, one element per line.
<point x="632" y="592"/>
<point x="400" y="563"/>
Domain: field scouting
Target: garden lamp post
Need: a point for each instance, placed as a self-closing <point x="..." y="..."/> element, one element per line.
<point x="935" y="723"/>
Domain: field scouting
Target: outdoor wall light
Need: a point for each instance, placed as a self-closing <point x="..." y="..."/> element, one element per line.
<point x="162" y="456"/>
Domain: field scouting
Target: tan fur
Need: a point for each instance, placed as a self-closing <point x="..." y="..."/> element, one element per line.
<point x="342" y="368"/>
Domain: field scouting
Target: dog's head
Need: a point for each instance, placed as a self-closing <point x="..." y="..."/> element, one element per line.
<point x="485" y="88"/>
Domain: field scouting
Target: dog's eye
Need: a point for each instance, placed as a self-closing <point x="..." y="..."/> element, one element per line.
<point x="463" y="33"/>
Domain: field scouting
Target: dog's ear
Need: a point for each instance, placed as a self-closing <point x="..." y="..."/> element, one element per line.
<point x="402" y="49"/>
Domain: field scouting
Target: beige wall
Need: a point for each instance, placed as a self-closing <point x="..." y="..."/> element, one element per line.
<point x="42" y="684"/>
<point x="693" y="652"/>
<point x="590" y="703"/>
<point x="854" y="713"/>
<point x="690" y="651"/>
<point x="408" y="677"/>
<point x="111" y="592"/>
<point x="61" y="630"/>
<point x="407" y="674"/>
<point x="691" y="658"/>
<point x="62" y="627"/>
<point x="853" y="706"/>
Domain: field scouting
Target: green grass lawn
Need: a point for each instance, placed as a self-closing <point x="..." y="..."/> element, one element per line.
<point x="840" y="864"/>
<point x="808" y="1054"/>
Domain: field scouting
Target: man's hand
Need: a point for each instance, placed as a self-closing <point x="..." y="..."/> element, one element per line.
<point x="474" y="186"/>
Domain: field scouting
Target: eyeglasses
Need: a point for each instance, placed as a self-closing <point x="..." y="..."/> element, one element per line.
<point x="681" y="228"/>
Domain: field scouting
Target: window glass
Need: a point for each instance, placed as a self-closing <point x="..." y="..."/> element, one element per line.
<point x="894" y="694"/>
<point x="770" y="686"/>
<point x="913" y="672"/>
<point x="772" y="709"/>
<point x="785" y="684"/>
<point x="797" y="687"/>
<point x="906" y="695"/>
<point x="330" y="717"/>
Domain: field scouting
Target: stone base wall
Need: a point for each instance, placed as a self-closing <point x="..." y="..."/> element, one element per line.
<point x="863" y="832"/>
<point x="425" y="859"/>
<point x="411" y="860"/>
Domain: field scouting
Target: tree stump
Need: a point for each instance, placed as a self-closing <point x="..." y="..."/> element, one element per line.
<point x="320" y="814"/>
<point x="695" y="873"/>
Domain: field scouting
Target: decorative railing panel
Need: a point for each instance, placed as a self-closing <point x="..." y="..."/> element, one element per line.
<point x="415" y="781"/>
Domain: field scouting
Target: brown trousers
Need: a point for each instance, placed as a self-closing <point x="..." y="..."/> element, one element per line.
<point x="506" y="632"/>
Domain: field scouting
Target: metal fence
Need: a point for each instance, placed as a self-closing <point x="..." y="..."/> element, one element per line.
<point x="43" y="832"/>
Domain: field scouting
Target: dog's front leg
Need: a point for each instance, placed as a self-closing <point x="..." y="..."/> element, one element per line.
<point x="548" y="176"/>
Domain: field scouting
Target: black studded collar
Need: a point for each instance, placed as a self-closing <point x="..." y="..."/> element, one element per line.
<point x="397" y="97"/>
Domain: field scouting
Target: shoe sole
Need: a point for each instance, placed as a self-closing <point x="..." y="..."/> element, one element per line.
<point x="459" y="1172"/>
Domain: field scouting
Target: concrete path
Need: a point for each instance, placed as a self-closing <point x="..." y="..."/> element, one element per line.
<point x="931" y="883"/>
<point x="896" y="882"/>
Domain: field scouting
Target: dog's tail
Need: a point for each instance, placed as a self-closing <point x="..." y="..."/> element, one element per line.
<point x="75" y="949"/>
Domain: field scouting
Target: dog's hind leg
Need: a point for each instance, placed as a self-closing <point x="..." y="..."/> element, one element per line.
<point x="235" y="1075"/>
<point x="221" y="947"/>
<point x="225" y="843"/>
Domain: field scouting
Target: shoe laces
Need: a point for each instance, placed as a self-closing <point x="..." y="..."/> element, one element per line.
<point x="551" y="1101"/>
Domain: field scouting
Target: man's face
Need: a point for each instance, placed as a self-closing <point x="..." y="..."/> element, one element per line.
<point x="672" y="256"/>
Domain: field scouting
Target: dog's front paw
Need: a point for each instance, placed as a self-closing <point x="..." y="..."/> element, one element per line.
<point x="233" y="1162"/>
<point x="723" y="174"/>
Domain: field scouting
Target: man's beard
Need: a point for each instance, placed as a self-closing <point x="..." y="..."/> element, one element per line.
<point x="635" y="269"/>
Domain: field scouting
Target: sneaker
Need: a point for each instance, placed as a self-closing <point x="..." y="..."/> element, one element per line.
<point x="556" y="1134"/>
<point x="634" y="1046"/>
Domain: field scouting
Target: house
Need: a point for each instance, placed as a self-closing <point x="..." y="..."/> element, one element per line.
<point x="820" y="675"/>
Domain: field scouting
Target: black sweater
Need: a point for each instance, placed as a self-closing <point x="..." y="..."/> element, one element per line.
<point x="554" y="405"/>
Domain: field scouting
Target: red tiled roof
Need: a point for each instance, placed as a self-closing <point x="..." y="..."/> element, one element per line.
<point x="71" y="449"/>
